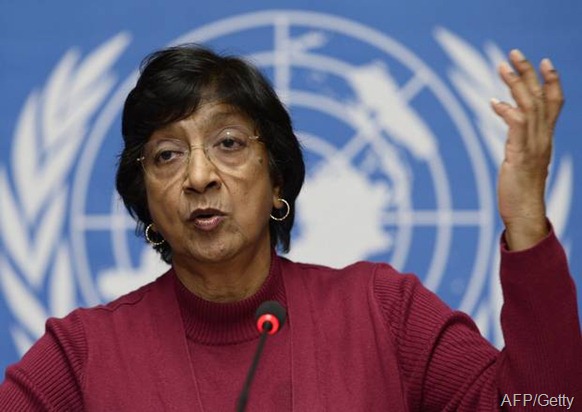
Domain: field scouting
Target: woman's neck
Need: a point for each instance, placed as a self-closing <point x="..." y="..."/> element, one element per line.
<point x="231" y="280"/>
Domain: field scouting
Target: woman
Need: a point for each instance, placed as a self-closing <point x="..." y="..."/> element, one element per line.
<point x="211" y="170"/>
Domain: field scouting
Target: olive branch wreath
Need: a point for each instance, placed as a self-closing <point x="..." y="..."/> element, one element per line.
<point x="36" y="272"/>
<point x="474" y="75"/>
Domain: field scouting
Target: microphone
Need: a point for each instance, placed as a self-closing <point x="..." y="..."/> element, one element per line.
<point x="270" y="318"/>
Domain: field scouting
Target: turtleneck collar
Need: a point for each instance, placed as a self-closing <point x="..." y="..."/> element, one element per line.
<point x="213" y="323"/>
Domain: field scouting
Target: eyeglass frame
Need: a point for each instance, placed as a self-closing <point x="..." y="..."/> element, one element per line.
<point x="191" y="148"/>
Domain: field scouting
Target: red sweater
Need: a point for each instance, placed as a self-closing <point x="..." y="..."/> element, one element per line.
<point x="363" y="338"/>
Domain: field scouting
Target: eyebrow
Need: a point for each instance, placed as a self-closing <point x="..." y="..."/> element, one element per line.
<point x="209" y="122"/>
<point x="221" y="116"/>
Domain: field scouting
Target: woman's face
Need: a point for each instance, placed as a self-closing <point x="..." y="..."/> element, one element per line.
<point x="206" y="211"/>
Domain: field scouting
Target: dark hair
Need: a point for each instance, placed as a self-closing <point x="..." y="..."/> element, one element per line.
<point x="172" y="85"/>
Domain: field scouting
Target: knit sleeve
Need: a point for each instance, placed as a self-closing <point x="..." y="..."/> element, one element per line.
<point x="541" y="327"/>
<point x="447" y="365"/>
<point x="50" y="375"/>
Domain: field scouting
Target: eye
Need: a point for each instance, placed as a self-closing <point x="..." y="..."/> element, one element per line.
<point x="231" y="140"/>
<point x="229" y="143"/>
<point x="165" y="156"/>
<point x="168" y="152"/>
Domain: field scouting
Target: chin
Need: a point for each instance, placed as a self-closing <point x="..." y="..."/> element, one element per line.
<point x="212" y="252"/>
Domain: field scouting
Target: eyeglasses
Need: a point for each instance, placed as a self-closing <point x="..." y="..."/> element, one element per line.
<point x="229" y="151"/>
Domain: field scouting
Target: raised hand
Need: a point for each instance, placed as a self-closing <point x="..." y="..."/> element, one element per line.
<point x="528" y="149"/>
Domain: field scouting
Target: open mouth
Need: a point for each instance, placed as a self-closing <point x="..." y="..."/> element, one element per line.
<point x="206" y="219"/>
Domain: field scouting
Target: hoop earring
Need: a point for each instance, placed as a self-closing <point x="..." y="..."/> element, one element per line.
<point x="279" y="219"/>
<point x="149" y="239"/>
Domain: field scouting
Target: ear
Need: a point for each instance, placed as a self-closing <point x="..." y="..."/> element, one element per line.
<point x="277" y="204"/>
<point x="155" y="228"/>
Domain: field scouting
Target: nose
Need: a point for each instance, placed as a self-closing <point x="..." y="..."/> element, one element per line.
<point x="201" y="174"/>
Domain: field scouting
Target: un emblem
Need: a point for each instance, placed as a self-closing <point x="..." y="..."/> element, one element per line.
<point x="398" y="169"/>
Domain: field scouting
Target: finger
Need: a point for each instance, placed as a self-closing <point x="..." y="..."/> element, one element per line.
<point x="552" y="90"/>
<point x="518" y="89"/>
<point x="530" y="78"/>
<point x="512" y="116"/>
<point x="528" y="74"/>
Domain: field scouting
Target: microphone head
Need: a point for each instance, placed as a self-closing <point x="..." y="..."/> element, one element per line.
<point x="270" y="317"/>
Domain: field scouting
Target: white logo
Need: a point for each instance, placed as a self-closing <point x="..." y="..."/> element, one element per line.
<point x="36" y="273"/>
<point x="379" y="185"/>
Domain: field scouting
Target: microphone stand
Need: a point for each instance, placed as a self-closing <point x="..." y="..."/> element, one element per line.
<point x="242" y="400"/>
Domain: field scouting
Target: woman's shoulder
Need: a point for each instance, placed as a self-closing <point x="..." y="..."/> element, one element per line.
<point x="365" y="273"/>
<point x="136" y="296"/>
<point x="124" y="315"/>
<point x="357" y="269"/>
<point x="129" y="304"/>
